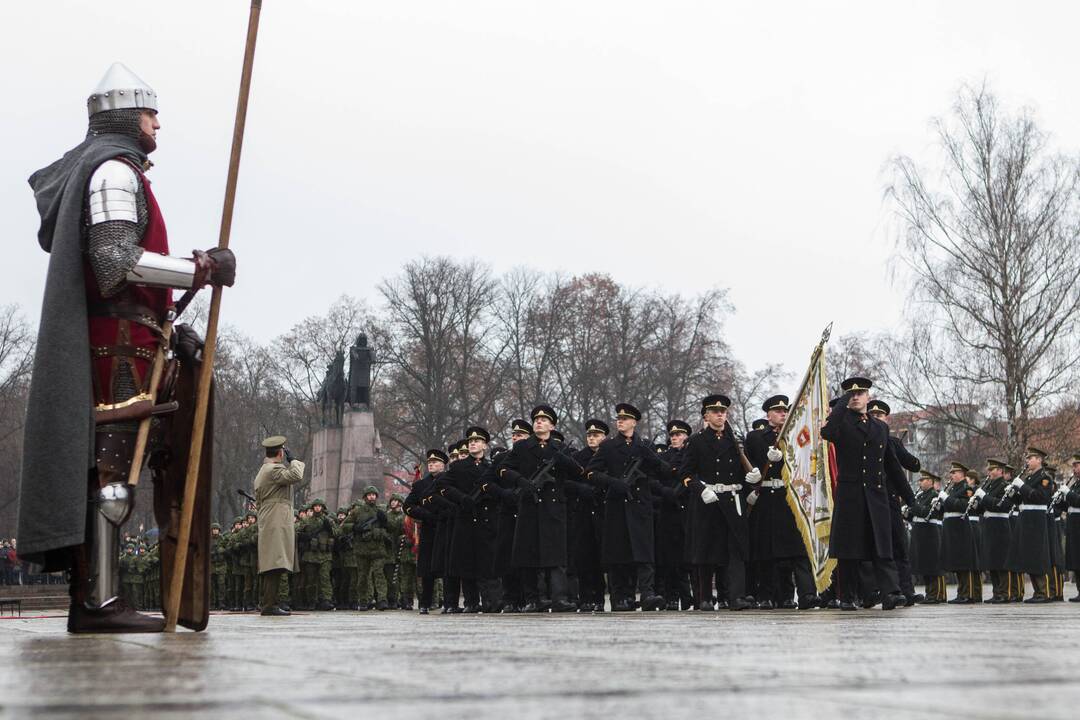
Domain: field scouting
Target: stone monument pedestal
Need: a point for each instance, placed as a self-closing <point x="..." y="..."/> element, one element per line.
<point x="347" y="459"/>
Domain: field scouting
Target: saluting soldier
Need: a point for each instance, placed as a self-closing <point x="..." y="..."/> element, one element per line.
<point x="540" y="530"/>
<point x="775" y="541"/>
<point x="274" y="483"/>
<point x="417" y="509"/>
<point x="862" y="526"/>
<point x="1033" y="492"/>
<point x="995" y="530"/>
<point x="925" y="550"/>
<point x="717" y="532"/>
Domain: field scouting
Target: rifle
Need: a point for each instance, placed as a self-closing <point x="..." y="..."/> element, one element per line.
<point x="249" y="496"/>
<point x="542" y="476"/>
<point x="365" y="527"/>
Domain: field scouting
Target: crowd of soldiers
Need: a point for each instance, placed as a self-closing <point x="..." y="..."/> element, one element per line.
<point x="360" y="558"/>
<point x="699" y="522"/>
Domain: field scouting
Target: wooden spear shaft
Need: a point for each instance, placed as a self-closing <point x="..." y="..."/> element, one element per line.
<point x="202" y="398"/>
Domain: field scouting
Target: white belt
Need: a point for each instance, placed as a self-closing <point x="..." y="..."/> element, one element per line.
<point x="973" y="518"/>
<point x="925" y="520"/>
<point x="719" y="488"/>
<point x="1073" y="510"/>
<point x="1032" y="507"/>
<point x="776" y="484"/>
<point x="950" y="515"/>
<point x="989" y="514"/>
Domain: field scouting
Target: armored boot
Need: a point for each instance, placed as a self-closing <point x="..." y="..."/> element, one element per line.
<point x="96" y="605"/>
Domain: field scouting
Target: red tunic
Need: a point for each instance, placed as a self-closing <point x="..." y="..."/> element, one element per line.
<point x="108" y="334"/>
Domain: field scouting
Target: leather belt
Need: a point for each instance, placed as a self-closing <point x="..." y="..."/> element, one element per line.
<point x="127" y="311"/>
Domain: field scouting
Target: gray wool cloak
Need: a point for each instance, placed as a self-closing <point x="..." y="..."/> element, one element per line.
<point x="58" y="440"/>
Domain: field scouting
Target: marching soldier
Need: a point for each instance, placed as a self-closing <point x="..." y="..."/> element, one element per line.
<point x="925" y="551"/>
<point x="672" y="572"/>
<point x="627" y="469"/>
<point x="538" y="470"/>
<point x="586" y="525"/>
<point x="276" y="531"/>
<point x="1033" y="492"/>
<point x="416" y="507"/>
<point x="717" y="532"/>
<point x="513" y="599"/>
<point x="862" y="524"/>
<point x="958" y="539"/>
<point x="1068" y="496"/>
<point x="775" y="541"/>
<point x="995" y="530"/>
<point x="473" y="538"/>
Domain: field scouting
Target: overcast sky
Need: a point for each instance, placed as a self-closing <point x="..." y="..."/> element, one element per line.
<point x="677" y="145"/>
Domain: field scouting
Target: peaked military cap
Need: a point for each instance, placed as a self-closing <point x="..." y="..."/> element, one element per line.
<point x="626" y="410"/>
<point x="1075" y="459"/>
<point x="659" y="448"/>
<point x="878" y="406"/>
<point x="856" y="383"/>
<point x="678" y="426"/>
<point x="759" y="424"/>
<point x="521" y="425"/>
<point x="436" y="454"/>
<point x="776" y="402"/>
<point x="544" y="411"/>
<point x="463" y="446"/>
<point x="995" y="463"/>
<point x="556" y="435"/>
<point x="954" y="465"/>
<point x="929" y="475"/>
<point x="274" y="441"/>
<point x="593" y="425"/>
<point x="1032" y="450"/>
<point x="715" y="402"/>
<point x="477" y="433"/>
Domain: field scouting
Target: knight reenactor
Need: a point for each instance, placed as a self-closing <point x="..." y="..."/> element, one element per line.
<point x="108" y="295"/>
<point x="537" y="470"/>
<point x="672" y="572"/>
<point x="416" y="507"/>
<point x="776" y="544"/>
<point x="1032" y="492"/>
<point x="862" y="523"/>
<point x="717" y="528"/>
<point x="925" y="548"/>
<point x="995" y="531"/>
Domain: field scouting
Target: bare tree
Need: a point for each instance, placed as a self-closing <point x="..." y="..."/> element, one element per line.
<point x="16" y="360"/>
<point x="993" y="254"/>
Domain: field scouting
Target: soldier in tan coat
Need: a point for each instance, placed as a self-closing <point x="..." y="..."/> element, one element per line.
<point x="274" y="503"/>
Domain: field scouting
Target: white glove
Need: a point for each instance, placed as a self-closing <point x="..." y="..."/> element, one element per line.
<point x="752" y="498"/>
<point x="775" y="455"/>
<point x="753" y="477"/>
<point x="943" y="496"/>
<point x="1017" y="483"/>
<point x="980" y="493"/>
<point x="708" y="496"/>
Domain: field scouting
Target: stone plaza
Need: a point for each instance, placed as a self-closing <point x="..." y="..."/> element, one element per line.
<point x="924" y="662"/>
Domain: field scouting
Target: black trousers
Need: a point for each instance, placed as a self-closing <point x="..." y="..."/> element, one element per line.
<point x="848" y="577"/>
<point x="590" y="586"/>
<point x="511" y="587"/>
<point x="783" y="577"/>
<point x="557" y="586"/>
<point x="451" y="592"/>
<point x="427" y="590"/>
<point x="629" y="579"/>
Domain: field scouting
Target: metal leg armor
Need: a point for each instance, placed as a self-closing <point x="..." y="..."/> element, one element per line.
<point x="110" y="506"/>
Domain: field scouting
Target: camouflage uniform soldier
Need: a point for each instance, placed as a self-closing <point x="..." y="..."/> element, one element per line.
<point x="299" y="596"/>
<point x="233" y="551"/>
<point x="395" y="528"/>
<point x="217" y="568"/>
<point x="368" y="525"/>
<point x="152" y="580"/>
<point x="127" y="571"/>
<point x="322" y="544"/>
<point x="249" y="558"/>
<point x="407" y="564"/>
<point x="350" y="579"/>
<point x="337" y="569"/>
